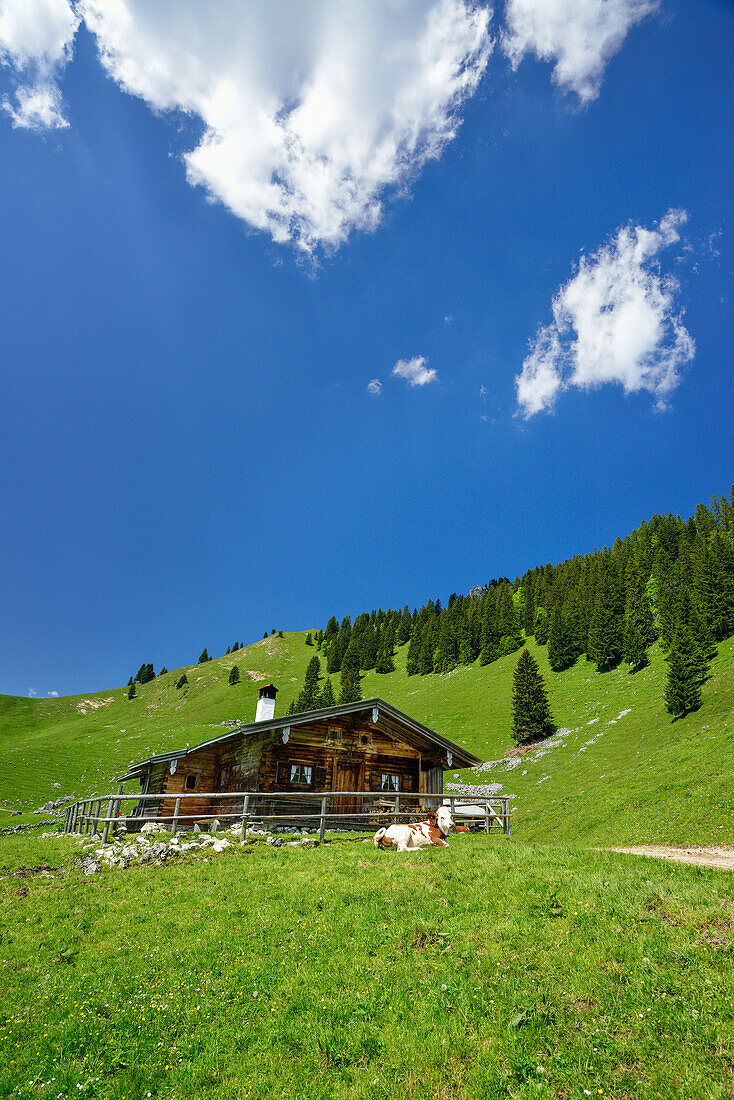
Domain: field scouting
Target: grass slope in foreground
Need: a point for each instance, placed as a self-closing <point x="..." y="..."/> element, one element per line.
<point x="497" y="969"/>
<point x="624" y="774"/>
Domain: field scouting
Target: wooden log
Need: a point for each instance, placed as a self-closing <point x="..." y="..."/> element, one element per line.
<point x="322" y="820"/>
<point x="487" y="825"/>
<point x="245" y="808"/>
<point x="108" y="815"/>
<point x="174" y="826"/>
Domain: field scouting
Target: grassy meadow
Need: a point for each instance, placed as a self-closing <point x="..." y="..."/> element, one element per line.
<point x="624" y="774"/>
<point x="498" y="969"/>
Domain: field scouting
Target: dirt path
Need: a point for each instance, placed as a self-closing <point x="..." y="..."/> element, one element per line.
<point x="710" y="856"/>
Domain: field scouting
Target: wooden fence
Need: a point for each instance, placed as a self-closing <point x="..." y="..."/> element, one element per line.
<point x="87" y="816"/>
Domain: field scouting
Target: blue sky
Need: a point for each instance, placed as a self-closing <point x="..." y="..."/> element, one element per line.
<point x="195" y="301"/>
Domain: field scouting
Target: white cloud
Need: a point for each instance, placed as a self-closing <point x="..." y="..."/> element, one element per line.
<point x="415" y="371"/>
<point x="483" y="392"/>
<point x="32" y="693"/>
<point x="36" y="40"/>
<point x="615" y="321"/>
<point x="311" y="112"/>
<point x="374" y="388"/>
<point x="54" y="693"/>
<point x="579" y="36"/>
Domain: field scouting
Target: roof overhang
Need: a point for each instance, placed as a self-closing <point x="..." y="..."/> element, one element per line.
<point x="461" y="757"/>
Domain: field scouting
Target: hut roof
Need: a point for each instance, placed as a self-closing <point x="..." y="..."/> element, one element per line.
<point x="462" y="758"/>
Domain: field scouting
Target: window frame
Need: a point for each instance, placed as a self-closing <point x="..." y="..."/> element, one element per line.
<point x="190" y="786"/>
<point x="393" y="786"/>
<point x="300" y="769"/>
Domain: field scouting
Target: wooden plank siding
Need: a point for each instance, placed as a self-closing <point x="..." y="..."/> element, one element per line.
<point x="344" y="753"/>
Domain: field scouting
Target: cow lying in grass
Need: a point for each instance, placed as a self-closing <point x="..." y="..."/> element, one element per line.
<point x="419" y="835"/>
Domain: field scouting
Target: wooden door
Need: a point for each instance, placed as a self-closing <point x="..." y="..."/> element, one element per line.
<point x="347" y="777"/>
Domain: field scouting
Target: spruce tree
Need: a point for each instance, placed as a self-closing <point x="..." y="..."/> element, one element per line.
<point x="234" y="675"/>
<point x="563" y="645"/>
<point x="639" y="628"/>
<point x="226" y="652"/>
<point x="163" y="671"/>
<point x="683" y="688"/>
<point x="203" y="658"/>
<point x="130" y="681"/>
<point x="309" y="639"/>
<point x="531" y="717"/>
<point x="310" y="694"/>
<point x="542" y="626"/>
<point x="182" y="680"/>
<point x="131" y="691"/>
<point x="351" y="691"/>
<point x="384" y="663"/>
<point x="327" y="695"/>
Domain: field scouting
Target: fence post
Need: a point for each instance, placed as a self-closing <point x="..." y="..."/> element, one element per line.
<point x="116" y="807"/>
<point x="506" y="815"/>
<point x="396" y="811"/>
<point x="95" y="816"/>
<point x="487" y="825"/>
<point x="245" y="808"/>
<point x="322" y="819"/>
<point x="108" y="814"/>
<point x="174" y="826"/>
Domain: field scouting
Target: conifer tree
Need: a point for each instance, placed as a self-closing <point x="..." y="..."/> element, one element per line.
<point x="226" y="652"/>
<point x="163" y="671"/>
<point x="384" y="663"/>
<point x="309" y="639"/>
<point x="531" y="717"/>
<point x="234" y="675"/>
<point x="542" y="626"/>
<point x="280" y="633"/>
<point x="131" y="691"/>
<point x="604" y="645"/>
<point x="351" y="691"/>
<point x="639" y="627"/>
<point x="327" y="695"/>
<point x="203" y="658"/>
<point x="563" y="645"/>
<point x="310" y="691"/>
<point x="130" y="681"/>
<point x="182" y="680"/>
<point x="683" y="688"/>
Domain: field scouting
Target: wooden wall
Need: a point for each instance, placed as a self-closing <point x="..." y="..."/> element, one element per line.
<point x="356" y="761"/>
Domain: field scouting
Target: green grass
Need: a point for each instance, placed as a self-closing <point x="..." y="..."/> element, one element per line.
<point x="645" y="779"/>
<point x="499" y="969"/>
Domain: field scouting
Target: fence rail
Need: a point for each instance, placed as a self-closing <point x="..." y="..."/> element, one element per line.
<point x="86" y="816"/>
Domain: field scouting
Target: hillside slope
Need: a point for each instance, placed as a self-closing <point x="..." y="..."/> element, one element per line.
<point x="620" y="771"/>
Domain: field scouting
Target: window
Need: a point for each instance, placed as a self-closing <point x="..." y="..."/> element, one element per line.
<point x="300" y="775"/>
<point x="390" y="782"/>
<point x="334" y="735"/>
<point x="365" y="739"/>
<point x="190" y="782"/>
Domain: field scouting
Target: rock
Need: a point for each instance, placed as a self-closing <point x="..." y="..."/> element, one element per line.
<point x="215" y="826"/>
<point x="152" y="827"/>
<point x="197" y="827"/>
<point x="275" y="841"/>
<point x="90" y="865"/>
<point x="57" y="786"/>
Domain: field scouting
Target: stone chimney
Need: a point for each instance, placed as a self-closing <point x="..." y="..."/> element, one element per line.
<point x="266" y="703"/>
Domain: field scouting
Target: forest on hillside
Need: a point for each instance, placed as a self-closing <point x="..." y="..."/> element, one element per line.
<point x="670" y="579"/>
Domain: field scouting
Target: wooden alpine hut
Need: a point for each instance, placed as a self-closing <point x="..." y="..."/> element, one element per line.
<point x="368" y="746"/>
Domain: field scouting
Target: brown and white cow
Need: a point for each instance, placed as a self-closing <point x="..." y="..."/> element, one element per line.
<point x="422" y="834"/>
